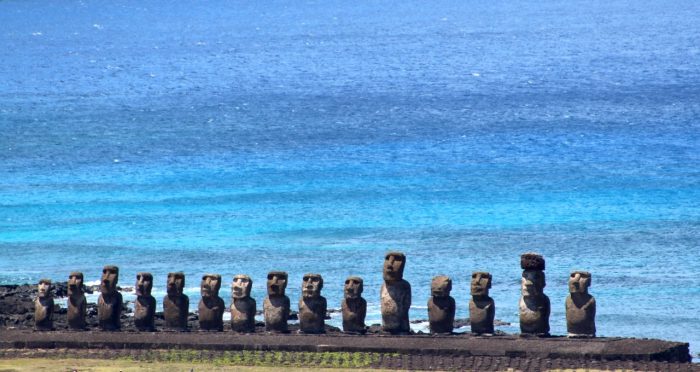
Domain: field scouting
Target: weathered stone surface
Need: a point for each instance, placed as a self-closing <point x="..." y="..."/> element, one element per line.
<point x="276" y="306"/>
<point x="145" y="306"/>
<point x="441" y="306"/>
<point x="580" y="306"/>
<point x="482" y="309"/>
<point x="353" y="306"/>
<point x="534" y="304"/>
<point x="211" y="306"/>
<point x="395" y="295"/>
<point x="176" y="304"/>
<point x="532" y="261"/>
<point x="43" y="307"/>
<point x="312" y="306"/>
<point x="77" y="304"/>
<point x="109" y="305"/>
<point x="243" y="306"/>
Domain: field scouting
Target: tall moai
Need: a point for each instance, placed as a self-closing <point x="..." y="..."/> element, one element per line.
<point x="243" y="306"/>
<point x="312" y="306"/>
<point x="43" y="306"/>
<point x="353" y="306"/>
<point x="77" y="304"/>
<point x="211" y="306"/>
<point x="276" y="304"/>
<point x="395" y="295"/>
<point x="176" y="304"/>
<point x="534" y="304"/>
<point x="580" y="306"/>
<point x="482" y="309"/>
<point x="145" y="305"/>
<point x="441" y="306"/>
<point x="110" y="304"/>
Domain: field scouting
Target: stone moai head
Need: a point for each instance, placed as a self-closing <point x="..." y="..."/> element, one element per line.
<point x="241" y="286"/>
<point x="210" y="286"/>
<point x="441" y="286"/>
<point x="110" y="277"/>
<point x="481" y="283"/>
<point x="394" y="263"/>
<point x="533" y="278"/>
<point x="75" y="283"/>
<point x="176" y="283"/>
<point x="276" y="283"/>
<point x="579" y="282"/>
<point x="354" y="286"/>
<point x="311" y="286"/>
<point x="144" y="284"/>
<point x="44" y="288"/>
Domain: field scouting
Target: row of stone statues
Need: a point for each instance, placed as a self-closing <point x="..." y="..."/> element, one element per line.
<point x="395" y="302"/>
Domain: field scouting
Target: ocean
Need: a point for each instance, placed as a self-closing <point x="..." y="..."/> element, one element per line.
<point x="306" y="136"/>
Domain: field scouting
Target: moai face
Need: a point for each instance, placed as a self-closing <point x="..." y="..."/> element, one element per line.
<point x="144" y="284"/>
<point x="311" y="286"/>
<point x="211" y="283"/>
<point x="481" y="283"/>
<point x="532" y="283"/>
<point x="394" y="263"/>
<point x="75" y="283"/>
<point x="579" y="281"/>
<point x="276" y="283"/>
<point x="44" y="288"/>
<point x="110" y="277"/>
<point x="176" y="283"/>
<point x="441" y="286"/>
<point x="241" y="286"/>
<point x="353" y="287"/>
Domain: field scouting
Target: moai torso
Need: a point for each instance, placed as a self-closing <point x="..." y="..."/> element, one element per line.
<point x="276" y="304"/>
<point x="312" y="306"/>
<point x="482" y="309"/>
<point x="109" y="305"/>
<point x="145" y="306"/>
<point x="176" y="304"/>
<point x="441" y="306"/>
<point x="534" y="304"/>
<point x="353" y="306"/>
<point x="211" y="306"/>
<point x="395" y="295"/>
<point x="77" y="304"/>
<point x="580" y="306"/>
<point x="43" y="307"/>
<point x="243" y="306"/>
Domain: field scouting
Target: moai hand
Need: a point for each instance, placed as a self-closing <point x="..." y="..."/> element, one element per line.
<point x="276" y="304"/>
<point x="211" y="306"/>
<point x="43" y="306"/>
<point x="482" y="309"/>
<point x="109" y="305"/>
<point x="176" y="304"/>
<point x="77" y="304"/>
<point x="354" y="307"/>
<point x="441" y="306"/>
<point x="580" y="306"/>
<point x="243" y="306"/>
<point x="312" y="306"/>
<point x="145" y="307"/>
<point x="534" y="304"/>
<point x="395" y="295"/>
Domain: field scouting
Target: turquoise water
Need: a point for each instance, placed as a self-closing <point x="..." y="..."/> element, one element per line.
<point x="313" y="137"/>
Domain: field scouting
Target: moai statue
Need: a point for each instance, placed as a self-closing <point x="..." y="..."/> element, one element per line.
<point x="580" y="306"/>
<point x="534" y="304"/>
<point x="441" y="306"/>
<point x="276" y="304"/>
<point x="145" y="307"/>
<point x="312" y="306"/>
<point x="176" y="304"/>
<point x="395" y="295"/>
<point x="211" y="306"/>
<point x="482" y="309"/>
<point x="43" y="307"/>
<point x="109" y="305"/>
<point x="77" y="304"/>
<point x="243" y="306"/>
<point x="354" y="306"/>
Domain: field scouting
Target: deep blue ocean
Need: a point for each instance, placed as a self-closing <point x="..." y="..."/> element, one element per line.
<point x="314" y="136"/>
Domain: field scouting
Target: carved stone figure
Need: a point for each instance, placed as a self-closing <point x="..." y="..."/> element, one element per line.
<point x="395" y="295"/>
<point x="580" y="306"/>
<point x="354" y="307"/>
<point x="441" y="306"/>
<point x="43" y="307"/>
<point x="176" y="304"/>
<point x="77" y="304"/>
<point x="243" y="306"/>
<point x="534" y="304"/>
<point x="312" y="306"/>
<point x="211" y="306"/>
<point x="482" y="309"/>
<point x="276" y="304"/>
<point x="145" y="306"/>
<point x="109" y="305"/>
